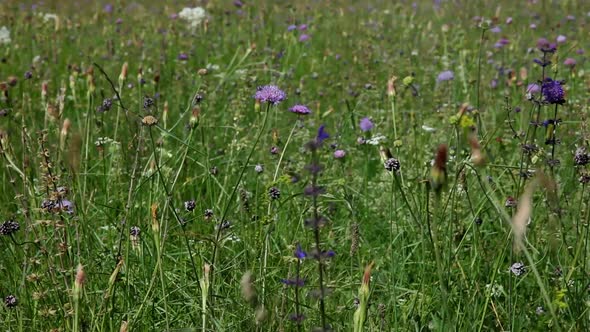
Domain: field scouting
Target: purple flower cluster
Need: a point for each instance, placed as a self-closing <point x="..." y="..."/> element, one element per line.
<point x="8" y="227"/>
<point x="300" y="109"/>
<point x="270" y="94"/>
<point x="56" y="206"/>
<point x="553" y="92"/>
<point x="446" y="75"/>
<point x="366" y="124"/>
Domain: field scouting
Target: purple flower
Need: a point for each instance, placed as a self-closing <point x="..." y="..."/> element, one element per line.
<point x="293" y="282"/>
<point x="509" y="20"/>
<point x="291" y="27"/>
<point x="533" y="88"/>
<point x="446" y="75"/>
<point x="496" y="29"/>
<point x="493" y="83"/>
<point x="304" y="37"/>
<point x="339" y="154"/>
<point x="8" y="227"/>
<point x="299" y="253"/>
<point x="300" y="109"/>
<point x="302" y="27"/>
<point x="183" y="57"/>
<point x="366" y="124"/>
<point x="502" y="42"/>
<point x="322" y="134"/>
<point x="270" y="93"/>
<point x="542" y="43"/>
<point x="238" y="3"/>
<point x="569" y="62"/>
<point x="108" y="8"/>
<point x="119" y="21"/>
<point x="533" y="26"/>
<point x="561" y="39"/>
<point x="553" y="92"/>
<point x="173" y="16"/>
<point x="392" y="165"/>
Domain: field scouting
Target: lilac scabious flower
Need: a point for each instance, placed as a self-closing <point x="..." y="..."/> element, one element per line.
<point x="304" y="37"/>
<point x="291" y="27"/>
<point x="183" y="57"/>
<point x="270" y="93"/>
<point x="570" y="62"/>
<point x="496" y="29"/>
<point x="542" y="43"/>
<point x="302" y="27"/>
<point x="561" y="39"/>
<point x="238" y="3"/>
<point x="108" y="8"/>
<point x="446" y="75"/>
<point x="533" y="88"/>
<point x="339" y="154"/>
<point x="553" y="92"/>
<point x="300" y="109"/>
<point x="366" y="124"/>
<point x="501" y="43"/>
<point x="533" y="26"/>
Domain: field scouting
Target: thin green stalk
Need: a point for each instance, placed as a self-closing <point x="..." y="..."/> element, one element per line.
<point x="233" y="193"/>
<point x="438" y="259"/>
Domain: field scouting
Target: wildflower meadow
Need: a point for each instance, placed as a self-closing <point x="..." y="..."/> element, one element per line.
<point x="294" y="165"/>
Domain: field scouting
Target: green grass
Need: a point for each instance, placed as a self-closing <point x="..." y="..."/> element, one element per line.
<point x="435" y="267"/>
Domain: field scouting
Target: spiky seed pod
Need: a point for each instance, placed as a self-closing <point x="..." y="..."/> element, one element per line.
<point x="149" y="121"/>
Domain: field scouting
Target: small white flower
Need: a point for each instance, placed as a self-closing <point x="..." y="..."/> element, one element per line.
<point x="376" y="140"/>
<point x="212" y="67"/>
<point x="259" y="168"/>
<point x="5" y="36"/>
<point x="428" y="129"/>
<point x="194" y="16"/>
<point x="48" y="17"/>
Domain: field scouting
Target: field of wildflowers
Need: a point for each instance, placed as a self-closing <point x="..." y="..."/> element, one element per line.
<point x="295" y="165"/>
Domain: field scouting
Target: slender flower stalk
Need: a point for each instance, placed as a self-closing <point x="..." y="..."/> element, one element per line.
<point x="317" y="221"/>
<point x="272" y="95"/>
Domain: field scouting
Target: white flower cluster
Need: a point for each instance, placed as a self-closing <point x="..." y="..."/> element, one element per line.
<point x="48" y="17"/>
<point x="194" y="16"/>
<point x="5" y="36"/>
